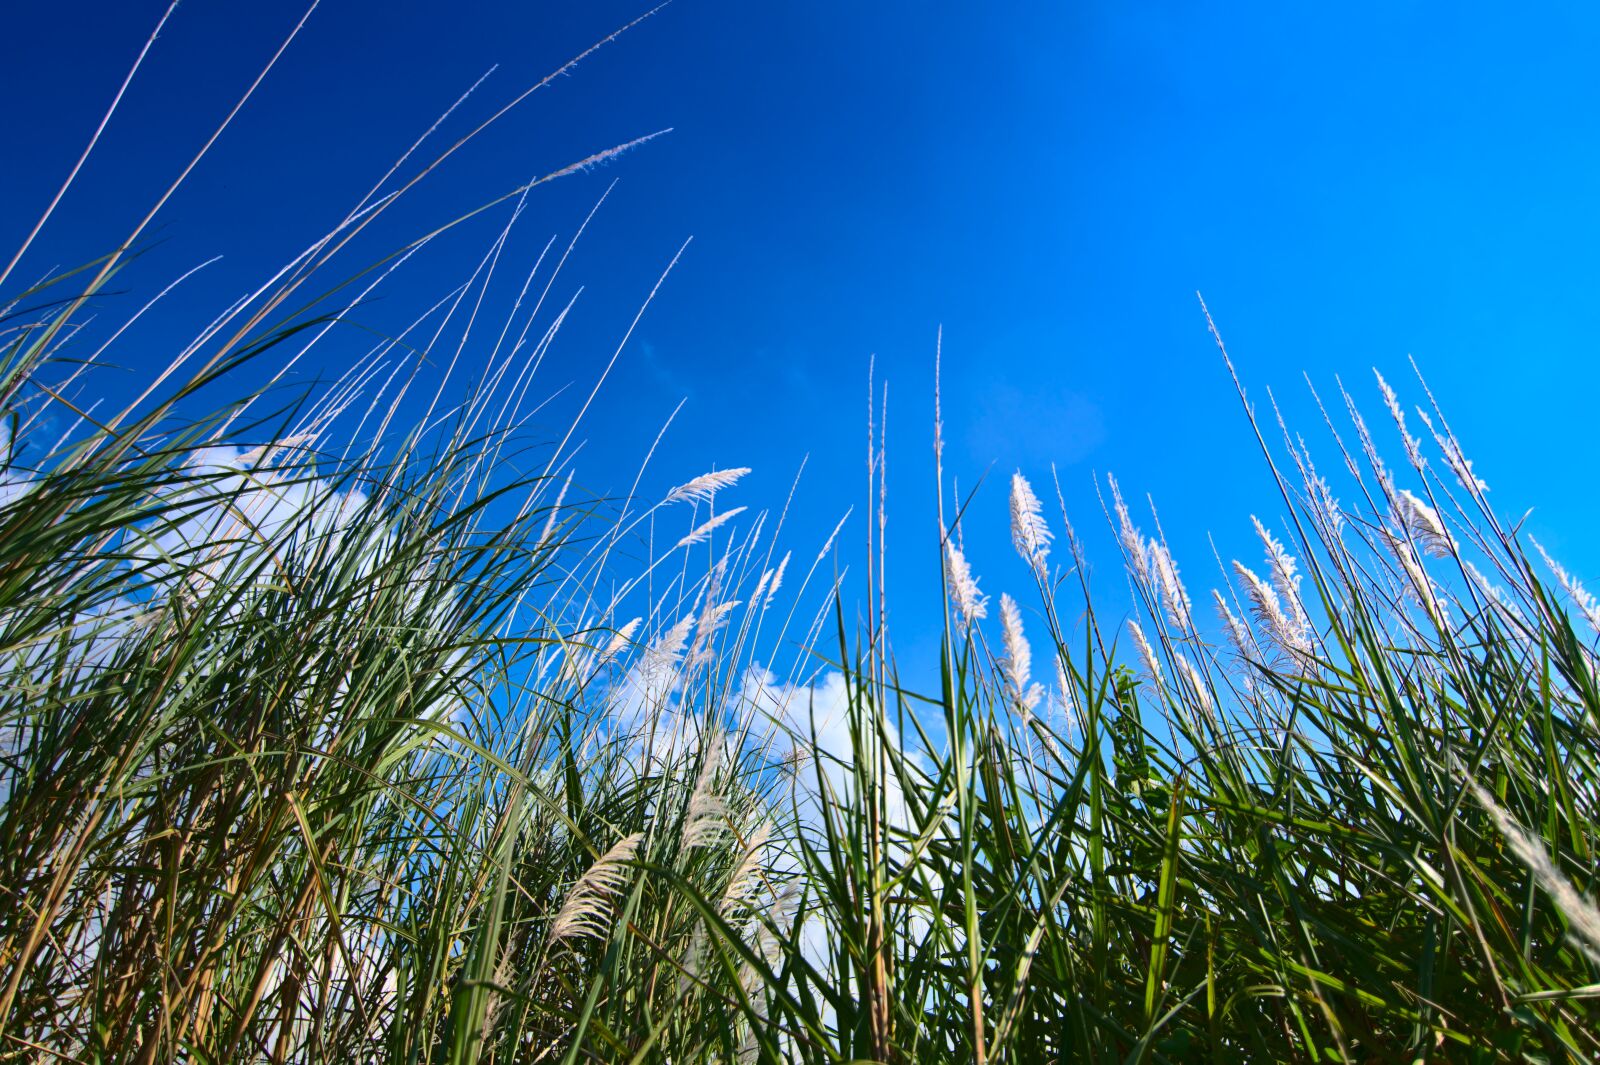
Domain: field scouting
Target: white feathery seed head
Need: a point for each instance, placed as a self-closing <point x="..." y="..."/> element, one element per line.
<point x="1240" y="639"/>
<point x="1285" y="579"/>
<point x="1132" y="540"/>
<point x="971" y="604"/>
<point x="703" y="533"/>
<point x="761" y="588"/>
<point x="1413" y="448"/>
<point x="1495" y="593"/>
<point x="1422" y="523"/>
<point x="661" y="658"/>
<point x="705" y="487"/>
<point x="1195" y="682"/>
<point x="1325" y="505"/>
<point x="1018" y="661"/>
<point x="1280" y="631"/>
<point x="585" y="912"/>
<point x="744" y="875"/>
<point x="1363" y="434"/>
<point x="1066" y="698"/>
<point x="828" y="544"/>
<point x="619" y="640"/>
<point x="705" y="818"/>
<point x="1238" y="635"/>
<point x="1173" y="595"/>
<point x="1147" y="654"/>
<point x="1454" y="457"/>
<point x="1579" y="595"/>
<point x="777" y="582"/>
<point x="263" y="455"/>
<point x="1029" y="533"/>
<point x="555" y="512"/>
<point x="1582" y="915"/>
<point x="1419" y="585"/>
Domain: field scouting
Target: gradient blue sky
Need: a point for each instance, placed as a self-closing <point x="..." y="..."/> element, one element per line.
<point x="1348" y="185"/>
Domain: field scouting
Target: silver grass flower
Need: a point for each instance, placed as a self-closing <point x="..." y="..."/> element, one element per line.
<point x="1280" y="631"/>
<point x="1147" y="654"/>
<point x="703" y="533"/>
<point x="705" y="487"/>
<point x="1421" y="586"/>
<point x="828" y="544"/>
<point x="712" y="620"/>
<point x="586" y="910"/>
<point x="1494" y="593"/>
<point x="971" y="604"/>
<point x="1325" y="505"/>
<point x="1132" y="541"/>
<point x="1582" y="915"/>
<point x="1413" y="447"/>
<point x="660" y="659"/>
<point x="1454" y="457"/>
<point x="761" y="588"/>
<point x="777" y="582"/>
<point x="1575" y="591"/>
<point x="1018" y="661"/>
<point x="1238" y="635"/>
<point x="1195" y="681"/>
<point x="705" y="818"/>
<point x="1064" y="694"/>
<point x="1029" y="533"/>
<point x="620" y="639"/>
<point x="1173" y="595"/>
<point x="1422" y="523"/>
<point x="1285" y="580"/>
<point x="555" y="512"/>
<point x="744" y="875"/>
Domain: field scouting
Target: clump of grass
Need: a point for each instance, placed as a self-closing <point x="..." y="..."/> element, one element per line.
<point x="1357" y="827"/>
<point x="326" y="739"/>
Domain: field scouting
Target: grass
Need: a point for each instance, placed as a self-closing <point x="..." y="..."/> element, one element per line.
<point x="334" y="732"/>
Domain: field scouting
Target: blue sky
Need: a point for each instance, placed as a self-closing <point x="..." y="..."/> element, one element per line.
<point x="1348" y="186"/>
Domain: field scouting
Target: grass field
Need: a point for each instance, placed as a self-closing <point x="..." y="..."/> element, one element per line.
<point x="325" y="738"/>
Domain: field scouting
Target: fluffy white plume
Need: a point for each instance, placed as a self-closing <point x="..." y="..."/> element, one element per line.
<point x="1147" y="654"/>
<point x="587" y="906"/>
<point x="828" y="545"/>
<point x="1495" y="593"/>
<point x="971" y="604"/>
<point x="1018" y="662"/>
<point x="1326" y="506"/>
<point x="1454" y="457"/>
<point x="1282" y="632"/>
<point x="1413" y="449"/>
<point x="1582" y="915"/>
<point x="1576" y="592"/>
<point x="761" y="588"/>
<point x="1066" y="697"/>
<point x="705" y="487"/>
<point x="1029" y="533"/>
<point x="619" y="640"/>
<point x="1196" y="683"/>
<point x="705" y="821"/>
<point x="1132" y="541"/>
<point x="1238" y="635"/>
<point x="777" y="582"/>
<point x="703" y="532"/>
<point x="1173" y="595"/>
<point x="1422" y="523"/>
<point x="1286" y="581"/>
<point x="653" y="677"/>
<point x="555" y="512"/>
<point x="746" y="872"/>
